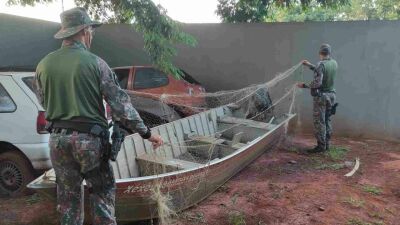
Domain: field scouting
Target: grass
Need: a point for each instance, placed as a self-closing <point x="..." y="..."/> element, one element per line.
<point x="335" y="166"/>
<point x="376" y="215"/>
<point x="372" y="189"/>
<point x="354" y="202"/>
<point x="33" y="199"/>
<point x="336" y="153"/>
<point x="356" y="221"/>
<point x="197" y="217"/>
<point x="236" y="218"/>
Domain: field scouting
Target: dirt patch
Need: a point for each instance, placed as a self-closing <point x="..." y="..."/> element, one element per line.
<point x="287" y="186"/>
<point x="284" y="187"/>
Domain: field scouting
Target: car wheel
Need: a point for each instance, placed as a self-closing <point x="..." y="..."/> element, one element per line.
<point x="15" y="173"/>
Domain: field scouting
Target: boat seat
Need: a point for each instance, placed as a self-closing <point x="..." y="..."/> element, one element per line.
<point x="205" y="139"/>
<point x="151" y="164"/>
<point x="246" y="122"/>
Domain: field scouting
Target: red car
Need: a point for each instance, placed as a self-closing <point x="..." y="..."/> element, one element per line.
<point x="159" y="97"/>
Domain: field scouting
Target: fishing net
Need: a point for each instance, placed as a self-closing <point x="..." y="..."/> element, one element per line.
<point x="265" y="104"/>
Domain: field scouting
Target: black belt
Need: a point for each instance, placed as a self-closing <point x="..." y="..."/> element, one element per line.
<point x="80" y="127"/>
<point x="64" y="131"/>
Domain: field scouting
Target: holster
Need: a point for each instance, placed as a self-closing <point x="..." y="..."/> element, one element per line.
<point x="88" y="128"/>
<point x="333" y="111"/>
<point x="117" y="138"/>
<point x="315" y="92"/>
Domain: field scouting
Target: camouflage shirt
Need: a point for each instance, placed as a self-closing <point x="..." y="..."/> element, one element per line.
<point x="318" y="76"/>
<point x="85" y="80"/>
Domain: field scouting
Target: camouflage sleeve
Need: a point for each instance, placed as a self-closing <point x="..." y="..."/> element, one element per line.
<point x="38" y="90"/>
<point x="120" y="101"/>
<point x="318" y="76"/>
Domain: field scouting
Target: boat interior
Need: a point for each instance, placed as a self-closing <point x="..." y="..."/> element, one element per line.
<point x="190" y="143"/>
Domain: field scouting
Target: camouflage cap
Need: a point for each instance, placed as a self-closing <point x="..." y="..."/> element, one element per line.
<point x="325" y="49"/>
<point x="73" y="21"/>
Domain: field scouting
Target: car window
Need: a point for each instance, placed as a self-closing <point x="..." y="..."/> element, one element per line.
<point x="149" y="78"/>
<point x="123" y="77"/>
<point x="6" y="102"/>
<point x="30" y="82"/>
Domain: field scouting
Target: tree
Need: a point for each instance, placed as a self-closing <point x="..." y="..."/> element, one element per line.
<point x="161" y="34"/>
<point x="260" y="10"/>
<point x="313" y="10"/>
<point x="372" y="10"/>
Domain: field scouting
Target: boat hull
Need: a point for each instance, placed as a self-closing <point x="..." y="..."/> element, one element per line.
<point x="184" y="188"/>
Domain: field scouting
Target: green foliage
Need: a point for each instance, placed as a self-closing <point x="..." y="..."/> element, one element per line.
<point x="372" y="189"/>
<point x="243" y="10"/>
<point x="161" y="34"/>
<point x="307" y="10"/>
<point x="297" y="13"/>
<point x="234" y="11"/>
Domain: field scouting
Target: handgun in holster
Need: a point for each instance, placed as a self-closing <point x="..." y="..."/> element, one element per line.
<point x="333" y="110"/>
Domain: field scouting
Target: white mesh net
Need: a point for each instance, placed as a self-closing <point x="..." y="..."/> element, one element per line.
<point x="199" y="141"/>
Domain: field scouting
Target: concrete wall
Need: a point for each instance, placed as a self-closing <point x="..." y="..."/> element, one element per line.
<point x="231" y="56"/>
<point x="368" y="53"/>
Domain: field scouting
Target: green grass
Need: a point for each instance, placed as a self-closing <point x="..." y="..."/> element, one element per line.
<point x="355" y="221"/>
<point x="336" y="153"/>
<point x="372" y="189"/>
<point x="236" y="218"/>
<point x="335" y="166"/>
<point x="354" y="202"/>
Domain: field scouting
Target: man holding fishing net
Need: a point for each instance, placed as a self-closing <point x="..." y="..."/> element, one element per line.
<point x="71" y="85"/>
<point x="324" y="97"/>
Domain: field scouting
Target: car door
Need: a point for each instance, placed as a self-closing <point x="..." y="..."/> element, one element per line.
<point x="17" y="113"/>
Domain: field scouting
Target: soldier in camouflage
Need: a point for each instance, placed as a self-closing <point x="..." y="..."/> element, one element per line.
<point x="324" y="96"/>
<point x="71" y="84"/>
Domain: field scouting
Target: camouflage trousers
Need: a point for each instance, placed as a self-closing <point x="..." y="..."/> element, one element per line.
<point x="77" y="157"/>
<point x="322" y="117"/>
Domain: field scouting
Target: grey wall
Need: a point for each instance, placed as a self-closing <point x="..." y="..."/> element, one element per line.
<point x="368" y="53"/>
<point x="231" y="56"/>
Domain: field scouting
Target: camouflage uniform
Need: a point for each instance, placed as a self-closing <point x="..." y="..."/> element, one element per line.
<point x="322" y="105"/>
<point x="78" y="156"/>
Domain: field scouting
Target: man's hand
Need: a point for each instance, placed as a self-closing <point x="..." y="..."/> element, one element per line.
<point x="300" y="85"/>
<point x="156" y="140"/>
<point x="306" y="63"/>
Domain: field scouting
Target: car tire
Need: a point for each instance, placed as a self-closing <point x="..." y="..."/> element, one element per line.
<point x="15" y="173"/>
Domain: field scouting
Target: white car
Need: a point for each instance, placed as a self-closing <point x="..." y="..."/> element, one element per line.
<point x="23" y="138"/>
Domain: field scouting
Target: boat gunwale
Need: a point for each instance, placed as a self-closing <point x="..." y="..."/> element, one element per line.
<point x="211" y="163"/>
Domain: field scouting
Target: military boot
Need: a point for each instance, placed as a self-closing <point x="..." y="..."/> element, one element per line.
<point x="317" y="149"/>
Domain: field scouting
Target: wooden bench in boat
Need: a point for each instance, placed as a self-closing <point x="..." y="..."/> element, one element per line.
<point x="151" y="164"/>
<point x="246" y="122"/>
